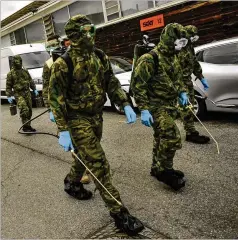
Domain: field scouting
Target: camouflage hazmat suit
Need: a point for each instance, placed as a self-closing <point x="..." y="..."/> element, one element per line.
<point x="50" y="46"/>
<point x="189" y="65"/>
<point x="46" y="79"/>
<point x="77" y="105"/>
<point x="157" y="90"/>
<point x="20" y="81"/>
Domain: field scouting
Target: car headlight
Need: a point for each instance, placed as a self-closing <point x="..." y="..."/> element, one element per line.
<point x="38" y="80"/>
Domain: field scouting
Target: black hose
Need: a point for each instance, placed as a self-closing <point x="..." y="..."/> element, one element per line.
<point x="46" y="133"/>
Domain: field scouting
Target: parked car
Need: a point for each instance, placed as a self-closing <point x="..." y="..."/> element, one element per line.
<point x="219" y="62"/>
<point x="122" y="68"/>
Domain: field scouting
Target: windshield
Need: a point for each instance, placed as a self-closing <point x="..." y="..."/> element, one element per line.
<point x="120" y="65"/>
<point x="34" y="59"/>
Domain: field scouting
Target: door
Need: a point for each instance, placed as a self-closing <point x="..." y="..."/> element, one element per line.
<point x="220" y="68"/>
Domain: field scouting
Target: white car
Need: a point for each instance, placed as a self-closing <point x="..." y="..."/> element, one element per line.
<point x="122" y="68"/>
<point x="219" y="62"/>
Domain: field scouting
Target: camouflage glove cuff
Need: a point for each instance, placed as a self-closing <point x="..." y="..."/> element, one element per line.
<point x="126" y="104"/>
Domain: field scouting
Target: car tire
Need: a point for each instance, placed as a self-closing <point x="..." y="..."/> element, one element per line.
<point x="200" y="107"/>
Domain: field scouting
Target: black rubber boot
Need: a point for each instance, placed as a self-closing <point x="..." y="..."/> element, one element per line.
<point x="32" y="129"/>
<point x="194" y="137"/>
<point x="179" y="173"/>
<point x="76" y="190"/>
<point x="28" y="129"/>
<point x="127" y="223"/>
<point x="173" y="178"/>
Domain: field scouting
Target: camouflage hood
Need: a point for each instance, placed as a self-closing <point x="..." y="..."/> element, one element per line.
<point x="80" y="41"/>
<point x="17" y="62"/>
<point x="52" y="44"/>
<point x="170" y="33"/>
<point x="191" y="31"/>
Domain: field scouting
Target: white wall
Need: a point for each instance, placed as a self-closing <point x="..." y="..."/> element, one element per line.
<point x="5" y="41"/>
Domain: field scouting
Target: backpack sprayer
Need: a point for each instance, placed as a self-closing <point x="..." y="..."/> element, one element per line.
<point x="143" y="46"/>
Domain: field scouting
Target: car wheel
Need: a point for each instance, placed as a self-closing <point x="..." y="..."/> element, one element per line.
<point x="200" y="107"/>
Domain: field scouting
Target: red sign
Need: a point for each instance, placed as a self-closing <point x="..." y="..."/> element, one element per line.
<point x="152" y="22"/>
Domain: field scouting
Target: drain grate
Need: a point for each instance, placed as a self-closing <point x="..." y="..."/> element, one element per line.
<point x="111" y="232"/>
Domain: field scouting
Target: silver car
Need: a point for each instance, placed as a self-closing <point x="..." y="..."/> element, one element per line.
<point x="219" y="62"/>
<point x="122" y="69"/>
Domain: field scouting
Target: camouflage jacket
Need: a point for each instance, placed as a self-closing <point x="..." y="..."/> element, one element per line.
<point x="46" y="80"/>
<point x="19" y="81"/>
<point x="154" y="89"/>
<point x="189" y="63"/>
<point x="85" y="94"/>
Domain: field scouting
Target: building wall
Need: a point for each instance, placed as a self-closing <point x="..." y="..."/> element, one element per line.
<point x="5" y="41"/>
<point x="119" y="27"/>
<point x="215" y="20"/>
<point x="52" y="17"/>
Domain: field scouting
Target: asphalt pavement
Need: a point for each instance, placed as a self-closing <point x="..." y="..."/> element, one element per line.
<point x="35" y="206"/>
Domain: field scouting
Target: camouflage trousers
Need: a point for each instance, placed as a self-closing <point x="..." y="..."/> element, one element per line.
<point x="167" y="139"/>
<point x="86" y="134"/>
<point x="24" y="103"/>
<point x="186" y="115"/>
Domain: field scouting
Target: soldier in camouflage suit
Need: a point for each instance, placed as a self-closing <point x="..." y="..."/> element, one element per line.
<point x="54" y="48"/>
<point x="52" y="43"/>
<point x="156" y="92"/>
<point x="77" y="102"/>
<point x="189" y="64"/>
<point x="20" y="81"/>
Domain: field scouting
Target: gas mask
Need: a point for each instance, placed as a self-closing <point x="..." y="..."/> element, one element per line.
<point x="85" y="38"/>
<point x="194" y="39"/>
<point x="17" y="62"/>
<point x="180" y="43"/>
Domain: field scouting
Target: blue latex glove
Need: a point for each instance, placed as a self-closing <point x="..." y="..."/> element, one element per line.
<point x="36" y="92"/>
<point x="65" y="141"/>
<point x="52" y="118"/>
<point x="146" y="118"/>
<point x="205" y="84"/>
<point x="130" y="114"/>
<point x="183" y="98"/>
<point x="10" y="100"/>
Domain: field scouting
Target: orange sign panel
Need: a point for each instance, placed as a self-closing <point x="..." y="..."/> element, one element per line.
<point x="152" y="22"/>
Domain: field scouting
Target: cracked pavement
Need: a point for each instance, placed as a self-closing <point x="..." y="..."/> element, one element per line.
<point x="34" y="205"/>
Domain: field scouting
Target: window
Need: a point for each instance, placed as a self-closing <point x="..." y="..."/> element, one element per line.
<point x="12" y="38"/>
<point x="60" y="17"/>
<point x="226" y="54"/>
<point x="34" y="59"/>
<point x="134" y="6"/>
<point x="5" y="41"/>
<point x="35" y="32"/>
<point x="5" y="65"/>
<point x="92" y="9"/>
<point x="120" y="65"/>
<point x="162" y="2"/>
<point x="112" y="9"/>
<point x="20" y="36"/>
